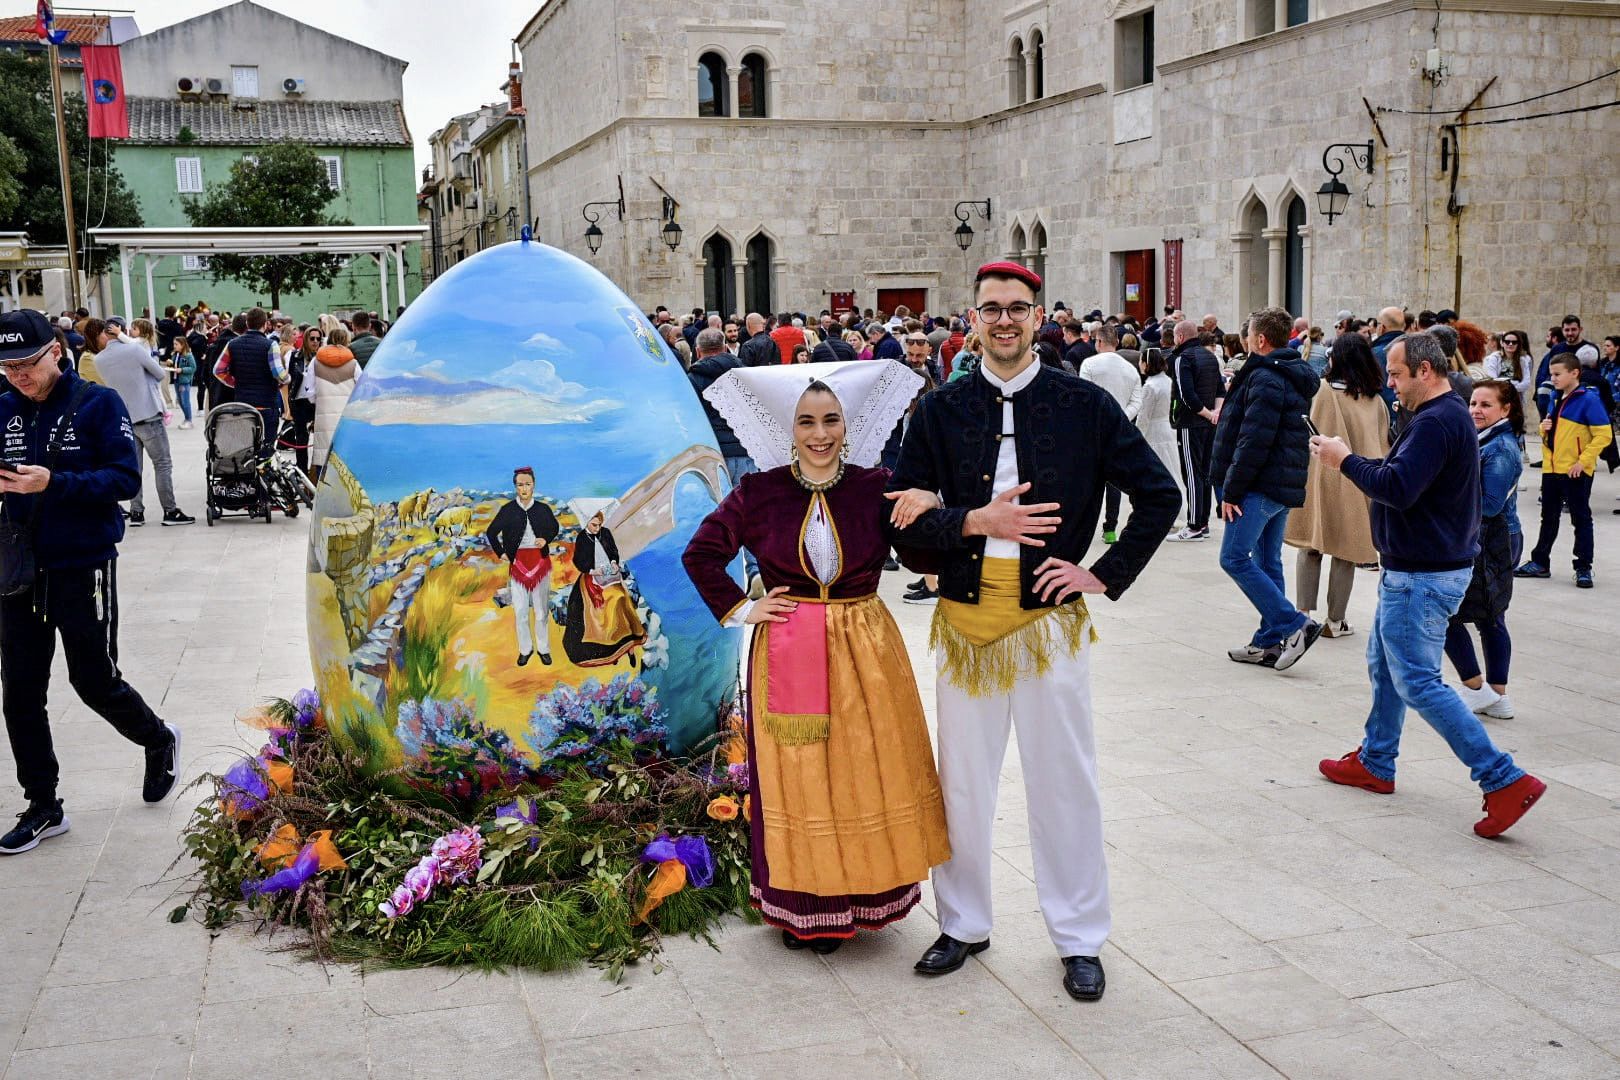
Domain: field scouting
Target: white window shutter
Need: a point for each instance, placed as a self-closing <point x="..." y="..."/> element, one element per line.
<point x="245" y="82"/>
<point x="188" y="175"/>
<point x="334" y="172"/>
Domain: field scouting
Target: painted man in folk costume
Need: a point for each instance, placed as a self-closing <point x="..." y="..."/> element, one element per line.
<point x="602" y="626"/>
<point x="522" y="532"/>
<point x="847" y="815"/>
<point x="1020" y="454"/>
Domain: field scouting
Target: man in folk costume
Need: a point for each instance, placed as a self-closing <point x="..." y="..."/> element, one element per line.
<point x="521" y="533"/>
<point x="1020" y="455"/>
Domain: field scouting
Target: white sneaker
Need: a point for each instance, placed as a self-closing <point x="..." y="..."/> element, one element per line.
<point x="1188" y="534"/>
<point x="1501" y="708"/>
<point x="1342" y="628"/>
<point x="1478" y="700"/>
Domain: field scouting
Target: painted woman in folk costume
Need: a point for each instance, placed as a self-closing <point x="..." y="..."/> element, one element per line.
<point x="847" y="812"/>
<point x="602" y="626"/>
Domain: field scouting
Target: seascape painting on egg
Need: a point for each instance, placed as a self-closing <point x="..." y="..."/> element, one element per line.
<point x="494" y="576"/>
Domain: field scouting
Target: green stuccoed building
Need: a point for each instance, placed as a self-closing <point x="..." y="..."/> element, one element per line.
<point x="206" y="92"/>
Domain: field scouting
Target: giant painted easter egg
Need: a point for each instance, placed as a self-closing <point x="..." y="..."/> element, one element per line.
<point x="494" y="578"/>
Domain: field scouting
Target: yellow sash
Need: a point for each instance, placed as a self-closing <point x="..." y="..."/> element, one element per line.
<point x="986" y="645"/>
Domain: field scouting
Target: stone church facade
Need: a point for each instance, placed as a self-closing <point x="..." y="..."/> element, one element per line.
<point x="1140" y="153"/>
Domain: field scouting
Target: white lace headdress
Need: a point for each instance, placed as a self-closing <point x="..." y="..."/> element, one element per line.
<point x="760" y="404"/>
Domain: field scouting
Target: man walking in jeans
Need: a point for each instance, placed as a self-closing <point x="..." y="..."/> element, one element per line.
<point x="1425" y="524"/>
<point x="128" y="366"/>
<point x="1261" y="460"/>
<point x="70" y="456"/>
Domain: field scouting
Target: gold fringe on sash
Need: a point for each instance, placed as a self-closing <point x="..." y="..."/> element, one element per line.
<point x="986" y="646"/>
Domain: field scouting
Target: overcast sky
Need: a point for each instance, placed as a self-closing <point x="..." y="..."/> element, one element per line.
<point x="457" y="51"/>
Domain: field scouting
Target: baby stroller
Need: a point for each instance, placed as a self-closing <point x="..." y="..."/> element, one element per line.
<point x="241" y="479"/>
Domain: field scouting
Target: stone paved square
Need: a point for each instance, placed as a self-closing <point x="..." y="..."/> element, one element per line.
<point x="1266" y="923"/>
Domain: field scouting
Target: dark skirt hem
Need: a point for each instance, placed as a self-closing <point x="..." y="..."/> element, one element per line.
<point x="856" y="913"/>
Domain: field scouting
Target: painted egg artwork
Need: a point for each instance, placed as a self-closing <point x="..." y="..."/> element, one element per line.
<point x="494" y="575"/>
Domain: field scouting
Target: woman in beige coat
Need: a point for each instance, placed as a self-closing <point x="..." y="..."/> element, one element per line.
<point x="1335" y="519"/>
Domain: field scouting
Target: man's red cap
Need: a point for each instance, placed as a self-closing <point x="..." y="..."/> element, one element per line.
<point x="1009" y="269"/>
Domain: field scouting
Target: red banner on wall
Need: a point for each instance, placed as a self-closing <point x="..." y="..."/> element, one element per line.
<point x="1172" y="273"/>
<point x="104" y="92"/>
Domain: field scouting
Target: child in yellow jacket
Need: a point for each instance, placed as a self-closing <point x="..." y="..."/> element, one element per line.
<point x="1572" y="437"/>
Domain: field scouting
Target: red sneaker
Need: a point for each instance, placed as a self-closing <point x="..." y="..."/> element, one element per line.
<point x="1350" y="772"/>
<point x="1505" y="806"/>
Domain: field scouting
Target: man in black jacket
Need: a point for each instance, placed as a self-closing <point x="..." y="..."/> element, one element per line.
<point x="521" y="533"/>
<point x="1019" y="453"/>
<point x="1196" y="395"/>
<point x="1261" y="459"/>
<point x="69" y="454"/>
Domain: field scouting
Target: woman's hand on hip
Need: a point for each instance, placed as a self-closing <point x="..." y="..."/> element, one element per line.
<point x="774" y="606"/>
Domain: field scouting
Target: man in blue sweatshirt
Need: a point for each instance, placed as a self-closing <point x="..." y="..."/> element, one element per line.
<point x="67" y="455"/>
<point x="1425" y="525"/>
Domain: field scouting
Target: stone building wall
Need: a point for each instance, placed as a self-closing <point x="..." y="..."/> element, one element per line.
<point x="872" y="140"/>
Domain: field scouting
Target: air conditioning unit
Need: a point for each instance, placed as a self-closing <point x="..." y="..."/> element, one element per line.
<point x="292" y="87"/>
<point x="188" y="86"/>
<point x="214" y="86"/>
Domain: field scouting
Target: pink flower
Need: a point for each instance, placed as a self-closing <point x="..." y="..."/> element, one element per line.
<point x="398" y="904"/>
<point x="459" y="854"/>
<point x="420" y="879"/>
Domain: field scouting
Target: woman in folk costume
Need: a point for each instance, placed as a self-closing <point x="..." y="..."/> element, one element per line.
<point x="847" y="811"/>
<point x="602" y="626"/>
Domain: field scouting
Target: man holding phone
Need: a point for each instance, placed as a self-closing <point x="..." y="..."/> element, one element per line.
<point x="71" y="456"/>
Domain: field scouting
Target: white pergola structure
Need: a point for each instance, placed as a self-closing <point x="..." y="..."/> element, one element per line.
<point x="375" y="241"/>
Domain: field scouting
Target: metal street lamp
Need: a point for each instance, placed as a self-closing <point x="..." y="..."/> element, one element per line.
<point x="671" y="231"/>
<point x="1332" y="197"/>
<point x="964" y="231"/>
<point x="593" y="233"/>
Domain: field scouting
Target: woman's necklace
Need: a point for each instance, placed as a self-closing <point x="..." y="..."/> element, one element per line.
<point x="818" y="485"/>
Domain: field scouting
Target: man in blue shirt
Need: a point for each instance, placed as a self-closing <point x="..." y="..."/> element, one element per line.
<point x="1425" y="524"/>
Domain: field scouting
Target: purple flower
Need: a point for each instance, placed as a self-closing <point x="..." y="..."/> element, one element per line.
<point x="661" y="849"/>
<point x="693" y="851"/>
<point x="398" y="904"/>
<point x="737" y="773"/>
<point x="306" y="703"/>
<point x="246" y="785"/>
<point x="459" y="854"/>
<point x="421" y="878"/>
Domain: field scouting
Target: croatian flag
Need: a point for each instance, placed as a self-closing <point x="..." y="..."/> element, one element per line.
<point x="104" y="92"/>
<point x="44" y="20"/>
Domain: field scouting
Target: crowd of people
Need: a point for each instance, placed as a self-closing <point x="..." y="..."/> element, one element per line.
<point x="1396" y="444"/>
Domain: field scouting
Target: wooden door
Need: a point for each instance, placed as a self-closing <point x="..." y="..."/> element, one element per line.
<point x="915" y="299"/>
<point x="1137" y="296"/>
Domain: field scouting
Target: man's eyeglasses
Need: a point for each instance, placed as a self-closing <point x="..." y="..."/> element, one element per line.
<point x="1018" y="312"/>
<point x="18" y="367"/>
<point x="916" y="341"/>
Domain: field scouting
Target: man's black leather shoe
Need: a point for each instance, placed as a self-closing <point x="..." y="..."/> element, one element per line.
<point x="1083" y="977"/>
<point x="947" y="954"/>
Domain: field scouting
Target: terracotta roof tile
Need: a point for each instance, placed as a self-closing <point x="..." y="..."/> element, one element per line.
<point x="82" y="29"/>
<point x="222" y="123"/>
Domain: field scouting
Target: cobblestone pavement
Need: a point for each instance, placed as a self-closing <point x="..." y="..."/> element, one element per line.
<point x="1266" y="923"/>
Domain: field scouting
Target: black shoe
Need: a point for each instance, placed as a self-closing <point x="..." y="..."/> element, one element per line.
<point x="1083" y="977"/>
<point x="924" y="596"/>
<point x="891" y="564"/>
<point x="922" y="583"/>
<point x="40" y="821"/>
<point x="137" y="518"/>
<point x="162" y="767"/>
<point x="947" y="954"/>
<point x="794" y="943"/>
<point x="545" y="658"/>
<point x="825" y="946"/>
<point x="523" y="658"/>
<point x="1583" y="579"/>
<point x="177" y="516"/>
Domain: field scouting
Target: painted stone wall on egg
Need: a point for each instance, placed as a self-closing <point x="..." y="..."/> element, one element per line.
<point x="494" y="574"/>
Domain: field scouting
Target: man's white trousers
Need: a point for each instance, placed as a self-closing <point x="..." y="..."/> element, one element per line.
<point x="538" y="601"/>
<point x="1052" y="713"/>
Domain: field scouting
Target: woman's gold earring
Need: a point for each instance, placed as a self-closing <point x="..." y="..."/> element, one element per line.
<point x="843" y="452"/>
<point x="793" y="455"/>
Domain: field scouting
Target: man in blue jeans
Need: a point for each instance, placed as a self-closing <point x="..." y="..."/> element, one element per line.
<point x="1259" y="465"/>
<point x="1425" y="524"/>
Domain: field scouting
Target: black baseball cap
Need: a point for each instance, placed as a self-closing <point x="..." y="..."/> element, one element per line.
<point x="24" y="333"/>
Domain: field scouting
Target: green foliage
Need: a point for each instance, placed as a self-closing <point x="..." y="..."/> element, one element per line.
<point x="12" y="167"/>
<point x="286" y="187"/>
<point x="101" y="198"/>
<point x="185" y="136"/>
<point x="561" y="883"/>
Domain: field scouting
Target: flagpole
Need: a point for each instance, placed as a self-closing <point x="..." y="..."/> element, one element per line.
<point x="67" y="176"/>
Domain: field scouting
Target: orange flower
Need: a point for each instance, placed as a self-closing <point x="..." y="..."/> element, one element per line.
<point x="723" y="808"/>
<point x="747" y="806"/>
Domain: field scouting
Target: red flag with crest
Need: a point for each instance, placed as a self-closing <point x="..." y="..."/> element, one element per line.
<point x="104" y="92"/>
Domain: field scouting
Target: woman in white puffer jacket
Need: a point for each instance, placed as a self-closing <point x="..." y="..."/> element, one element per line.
<point x="335" y="373"/>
